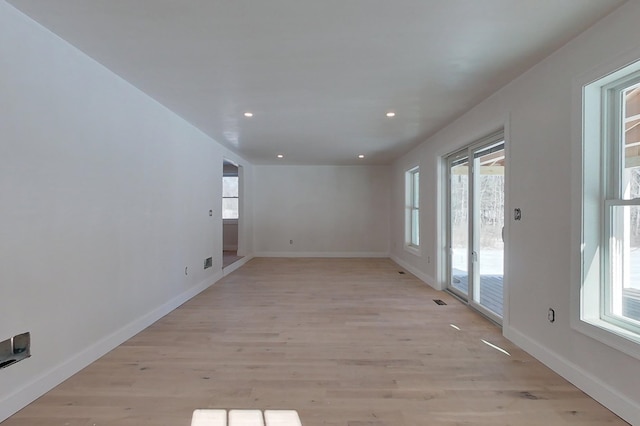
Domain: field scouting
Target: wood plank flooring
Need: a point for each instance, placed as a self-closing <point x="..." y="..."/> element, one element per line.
<point x="345" y="342"/>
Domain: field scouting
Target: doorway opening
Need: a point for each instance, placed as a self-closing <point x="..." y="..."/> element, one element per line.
<point x="230" y="212"/>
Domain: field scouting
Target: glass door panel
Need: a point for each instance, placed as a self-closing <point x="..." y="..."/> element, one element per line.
<point x="459" y="225"/>
<point x="488" y="217"/>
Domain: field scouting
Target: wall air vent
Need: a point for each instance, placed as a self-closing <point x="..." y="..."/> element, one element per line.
<point x="15" y="349"/>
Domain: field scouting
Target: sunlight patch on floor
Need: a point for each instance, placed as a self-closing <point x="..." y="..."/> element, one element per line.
<point x="496" y="347"/>
<point x="218" y="417"/>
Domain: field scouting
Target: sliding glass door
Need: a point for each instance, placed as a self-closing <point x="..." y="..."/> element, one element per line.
<point x="475" y="225"/>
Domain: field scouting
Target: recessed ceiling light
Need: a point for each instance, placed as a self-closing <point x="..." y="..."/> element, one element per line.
<point x="248" y="114"/>
<point x="361" y="156"/>
<point x="391" y="114"/>
<point x="280" y="156"/>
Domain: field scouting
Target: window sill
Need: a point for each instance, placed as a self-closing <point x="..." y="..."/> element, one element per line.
<point x="611" y="335"/>
<point x="415" y="250"/>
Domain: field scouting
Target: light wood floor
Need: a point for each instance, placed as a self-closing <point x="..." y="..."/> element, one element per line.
<point x="346" y="342"/>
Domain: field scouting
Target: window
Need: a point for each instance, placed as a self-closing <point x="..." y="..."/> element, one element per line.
<point x="413" y="208"/>
<point x="621" y="242"/>
<point x="611" y="204"/>
<point x="230" y="197"/>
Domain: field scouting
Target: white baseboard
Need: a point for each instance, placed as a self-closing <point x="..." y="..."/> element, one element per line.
<point x="421" y="275"/>
<point x="28" y="393"/>
<point x="237" y="264"/>
<point x="341" y="254"/>
<point x="615" y="401"/>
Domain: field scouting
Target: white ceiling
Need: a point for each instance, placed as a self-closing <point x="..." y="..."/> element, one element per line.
<point x="319" y="76"/>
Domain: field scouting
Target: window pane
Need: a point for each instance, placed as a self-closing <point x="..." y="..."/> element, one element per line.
<point x="625" y="262"/>
<point x="416" y="189"/>
<point x="412" y="221"/>
<point x="230" y="208"/>
<point x="230" y="186"/>
<point x="415" y="227"/>
<point x="488" y="225"/>
<point x="631" y="155"/>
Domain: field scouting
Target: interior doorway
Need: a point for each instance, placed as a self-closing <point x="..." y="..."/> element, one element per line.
<point x="475" y="225"/>
<point x="230" y="212"/>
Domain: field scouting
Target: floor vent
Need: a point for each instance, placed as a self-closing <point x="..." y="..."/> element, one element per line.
<point x="401" y="272"/>
<point x="439" y="302"/>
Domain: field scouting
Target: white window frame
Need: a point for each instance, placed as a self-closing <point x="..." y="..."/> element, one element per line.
<point x="599" y="193"/>
<point x="412" y="209"/>
<point x="232" y="219"/>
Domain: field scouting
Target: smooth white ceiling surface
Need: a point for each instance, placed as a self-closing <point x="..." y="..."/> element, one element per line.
<point x="319" y="76"/>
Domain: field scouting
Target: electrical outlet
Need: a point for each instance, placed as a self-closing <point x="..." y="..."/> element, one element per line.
<point x="551" y="315"/>
<point x="517" y="214"/>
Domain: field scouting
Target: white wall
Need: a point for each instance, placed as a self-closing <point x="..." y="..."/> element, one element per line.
<point x="105" y="199"/>
<point x="537" y="110"/>
<point x="325" y="210"/>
